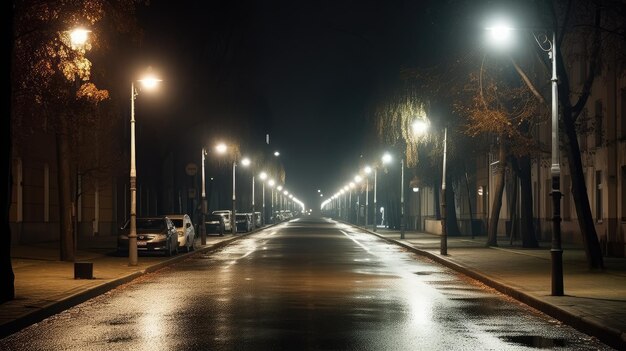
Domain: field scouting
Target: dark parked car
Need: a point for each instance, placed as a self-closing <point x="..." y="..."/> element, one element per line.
<point x="214" y="224"/>
<point x="154" y="234"/>
<point x="244" y="222"/>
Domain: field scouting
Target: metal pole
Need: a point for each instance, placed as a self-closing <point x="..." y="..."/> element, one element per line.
<point x="263" y="199"/>
<point x="253" y="213"/>
<point x="556" y="251"/>
<point x="233" y="222"/>
<point x="350" y="208"/>
<point x="204" y="204"/>
<point x="402" y="198"/>
<point x="367" y="185"/>
<point x="272" y="206"/>
<point x="375" y="206"/>
<point x="132" y="236"/>
<point x="444" y="229"/>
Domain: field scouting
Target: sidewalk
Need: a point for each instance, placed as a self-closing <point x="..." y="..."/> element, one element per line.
<point x="45" y="286"/>
<point x="594" y="302"/>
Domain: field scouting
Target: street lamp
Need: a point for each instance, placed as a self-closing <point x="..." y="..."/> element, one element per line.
<point x="367" y="171"/>
<point x="357" y="180"/>
<point x="502" y="34"/>
<point x="350" y="214"/>
<point x="78" y="37"/>
<point x="149" y="83"/>
<point x="271" y="183"/>
<point x="204" y="202"/>
<point x="263" y="177"/>
<point x="221" y="149"/>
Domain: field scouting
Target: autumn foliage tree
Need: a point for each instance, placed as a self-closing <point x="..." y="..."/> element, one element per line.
<point x="52" y="90"/>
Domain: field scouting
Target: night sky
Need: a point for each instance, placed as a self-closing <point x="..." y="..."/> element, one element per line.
<point x="306" y="72"/>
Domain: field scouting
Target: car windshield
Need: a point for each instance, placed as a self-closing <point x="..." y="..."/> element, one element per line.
<point x="214" y="218"/>
<point x="177" y="222"/>
<point x="150" y="224"/>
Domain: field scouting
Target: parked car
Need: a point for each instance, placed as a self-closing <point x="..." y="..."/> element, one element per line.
<point x="154" y="234"/>
<point x="244" y="222"/>
<point x="214" y="224"/>
<point x="226" y="214"/>
<point x="186" y="231"/>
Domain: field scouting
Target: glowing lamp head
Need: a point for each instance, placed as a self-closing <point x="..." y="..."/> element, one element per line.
<point x="386" y="158"/>
<point x="221" y="148"/>
<point x="245" y="162"/>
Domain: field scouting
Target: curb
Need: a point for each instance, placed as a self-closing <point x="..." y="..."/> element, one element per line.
<point x="610" y="336"/>
<point x="53" y="308"/>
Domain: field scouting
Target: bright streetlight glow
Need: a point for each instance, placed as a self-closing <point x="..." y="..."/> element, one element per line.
<point x="346" y="188"/>
<point x="276" y="153"/>
<point x="386" y="158"/>
<point x="245" y="161"/>
<point x="286" y="192"/>
<point x="352" y="184"/>
<point x="500" y="34"/>
<point x="358" y="178"/>
<point x="280" y="188"/>
<point x="78" y="36"/>
<point x="416" y="189"/>
<point x="271" y="182"/>
<point x="319" y="191"/>
<point x="367" y="169"/>
<point x="221" y="148"/>
<point x="149" y="82"/>
<point x="263" y="175"/>
<point x="419" y="127"/>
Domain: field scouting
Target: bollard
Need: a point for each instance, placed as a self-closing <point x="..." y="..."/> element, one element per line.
<point x="83" y="270"/>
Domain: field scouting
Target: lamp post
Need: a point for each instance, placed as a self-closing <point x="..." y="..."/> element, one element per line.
<point x="367" y="171"/>
<point x="271" y="184"/>
<point x="357" y="180"/>
<point x="263" y="177"/>
<point x="148" y="82"/>
<point x="444" y="228"/>
<point x="501" y="33"/>
<point x="402" y="198"/>
<point x="204" y="204"/>
<point x="351" y="210"/>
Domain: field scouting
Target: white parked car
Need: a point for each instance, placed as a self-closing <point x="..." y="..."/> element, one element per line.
<point x="186" y="231"/>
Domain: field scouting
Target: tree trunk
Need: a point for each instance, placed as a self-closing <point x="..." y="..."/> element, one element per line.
<point x="7" y="277"/>
<point x="469" y="202"/>
<point x="569" y="114"/>
<point x="492" y="236"/>
<point x="452" y="225"/>
<point x="65" y="193"/>
<point x="581" y="199"/>
<point x="513" y="207"/>
<point x="529" y="239"/>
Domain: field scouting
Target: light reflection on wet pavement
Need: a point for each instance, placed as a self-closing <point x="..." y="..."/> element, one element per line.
<point x="305" y="285"/>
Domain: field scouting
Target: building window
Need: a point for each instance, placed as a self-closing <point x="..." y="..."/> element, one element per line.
<point x="599" y="196"/>
<point x="567" y="198"/>
<point x="623" y="186"/>
<point x="598" y="127"/>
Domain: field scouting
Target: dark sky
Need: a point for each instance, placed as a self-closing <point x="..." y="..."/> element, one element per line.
<point x="307" y="71"/>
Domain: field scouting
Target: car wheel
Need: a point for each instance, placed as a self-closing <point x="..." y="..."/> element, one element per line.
<point x="192" y="246"/>
<point x="168" y="251"/>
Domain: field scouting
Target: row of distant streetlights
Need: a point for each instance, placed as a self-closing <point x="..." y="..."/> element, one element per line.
<point x="78" y="38"/>
<point x="501" y="35"/>
<point x="222" y="149"/>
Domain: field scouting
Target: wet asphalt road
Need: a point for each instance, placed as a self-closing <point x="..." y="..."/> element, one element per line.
<point x="310" y="284"/>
